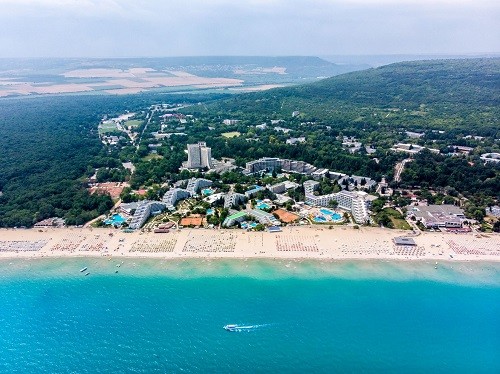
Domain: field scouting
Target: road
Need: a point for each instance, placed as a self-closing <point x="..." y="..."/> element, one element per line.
<point x="399" y="168"/>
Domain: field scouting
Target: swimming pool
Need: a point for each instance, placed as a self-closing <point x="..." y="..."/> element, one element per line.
<point x="328" y="212"/>
<point x="333" y="216"/>
<point x="263" y="206"/>
<point x="115" y="220"/>
<point x="247" y="225"/>
<point x="319" y="219"/>
<point x="210" y="212"/>
<point x="336" y="217"/>
<point x="207" y="191"/>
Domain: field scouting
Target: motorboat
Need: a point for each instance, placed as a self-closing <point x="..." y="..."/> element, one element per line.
<point x="82" y="270"/>
<point x="231" y="327"/>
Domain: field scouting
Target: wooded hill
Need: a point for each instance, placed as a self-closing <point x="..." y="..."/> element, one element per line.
<point x="440" y="94"/>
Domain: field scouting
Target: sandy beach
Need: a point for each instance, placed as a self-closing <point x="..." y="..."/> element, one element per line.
<point x="316" y="243"/>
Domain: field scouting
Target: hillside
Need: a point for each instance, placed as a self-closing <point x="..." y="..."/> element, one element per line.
<point x="436" y="94"/>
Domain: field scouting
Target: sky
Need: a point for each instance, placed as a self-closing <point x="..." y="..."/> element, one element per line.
<point x="156" y="28"/>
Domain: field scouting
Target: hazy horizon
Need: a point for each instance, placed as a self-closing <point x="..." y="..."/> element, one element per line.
<point x="127" y="29"/>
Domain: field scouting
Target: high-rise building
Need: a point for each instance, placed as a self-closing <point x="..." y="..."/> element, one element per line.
<point x="199" y="156"/>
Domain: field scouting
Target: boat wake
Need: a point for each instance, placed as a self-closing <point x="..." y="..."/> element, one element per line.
<point x="239" y="328"/>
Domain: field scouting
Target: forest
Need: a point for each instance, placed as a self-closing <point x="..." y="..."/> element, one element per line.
<point x="442" y="94"/>
<point x="49" y="145"/>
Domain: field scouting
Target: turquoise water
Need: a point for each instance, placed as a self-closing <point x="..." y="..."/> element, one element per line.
<point x="210" y="212"/>
<point x="115" y="220"/>
<point x="333" y="215"/>
<point x="246" y="225"/>
<point x="207" y="192"/>
<point x="263" y="206"/>
<point x="319" y="219"/>
<point x="156" y="316"/>
<point x="326" y="211"/>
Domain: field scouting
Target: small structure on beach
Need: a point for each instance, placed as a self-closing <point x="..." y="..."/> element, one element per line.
<point x="402" y="240"/>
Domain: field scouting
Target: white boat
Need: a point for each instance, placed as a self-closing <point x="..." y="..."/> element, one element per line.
<point x="82" y="270"/>
<point x="231" y="327"/>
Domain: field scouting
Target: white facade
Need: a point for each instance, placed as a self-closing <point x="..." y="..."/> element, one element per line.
<point x="173" y="195"/>
<point x="310" y="187"/>
<point x="144" y="211"/>
<point x="354" y="202"/>
<point x="194" y="184"/>
<point x="272" y="163"/>
<point x="199" y="156"/>
<point x="232" y="199"/>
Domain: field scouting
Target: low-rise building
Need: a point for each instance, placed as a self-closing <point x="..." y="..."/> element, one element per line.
<point x="234" y="218"/>
<point x="490" y="157"/>
<point x="284" y="130"/>
<point x="462" y="149"/>
<point x="351" y="144"/>
<point x="230" y="121"/>
<point x="415" y="135"/>
<point x="282" y="187"/>
<point x="411" y="148"/>
<point x="320" y="174"/>
<point x="494" y="211"/>
<point x="434" y="216"/>
<point x="293" y="141"/>
<point x="353" y="181"/>
<point x="253" y="191"/>
<point x="263" y="217"/>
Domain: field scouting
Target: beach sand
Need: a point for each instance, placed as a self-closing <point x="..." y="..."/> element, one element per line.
<point x="314" y="242"/>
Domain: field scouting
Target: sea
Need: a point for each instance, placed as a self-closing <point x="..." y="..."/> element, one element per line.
<point x="154" y="316"/>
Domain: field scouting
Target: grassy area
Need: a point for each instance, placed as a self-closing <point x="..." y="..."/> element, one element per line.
<point x="397" y="219"/>
<point x="105" y="128"/>
<point x="400" y="224"/>
<point x="390" y="217"/>
<point x="232" y="134"/>
<point x="152" y="156"/>
<point x="133" y="123"/>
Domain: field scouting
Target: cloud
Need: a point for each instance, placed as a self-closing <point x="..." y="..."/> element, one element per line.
<point x="246" y="27"/>
<point x="41" y="8"/>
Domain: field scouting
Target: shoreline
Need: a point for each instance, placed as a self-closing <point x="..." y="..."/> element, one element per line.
<point x="293" y="243"/>
<point x="474" y="274"/>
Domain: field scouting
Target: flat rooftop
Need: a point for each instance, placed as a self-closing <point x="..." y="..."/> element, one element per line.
<point x="401" y="240"/>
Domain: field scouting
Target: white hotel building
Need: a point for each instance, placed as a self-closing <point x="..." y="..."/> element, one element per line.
<point x="356" y="202"/>
<point x="199" y="156"/>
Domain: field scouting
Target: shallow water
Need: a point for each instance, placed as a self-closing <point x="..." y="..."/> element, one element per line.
<point x="155" y="316"/>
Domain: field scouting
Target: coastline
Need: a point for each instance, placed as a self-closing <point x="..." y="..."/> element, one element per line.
<point x="293" y="243"/>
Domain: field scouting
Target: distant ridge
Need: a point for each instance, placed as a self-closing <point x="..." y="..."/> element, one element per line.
<point x="453" y="90"/>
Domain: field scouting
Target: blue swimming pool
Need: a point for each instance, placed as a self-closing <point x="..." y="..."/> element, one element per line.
<point x="328" y="212"/>
<point x="319" y="219"/>
<point x="263" y="206"/>
<point x="207" y="191"/>
<point x="248" y="225"/>
<point x="115" y="220"/>
<point x="210" y="212"/>
<point x="336" y="217"/>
